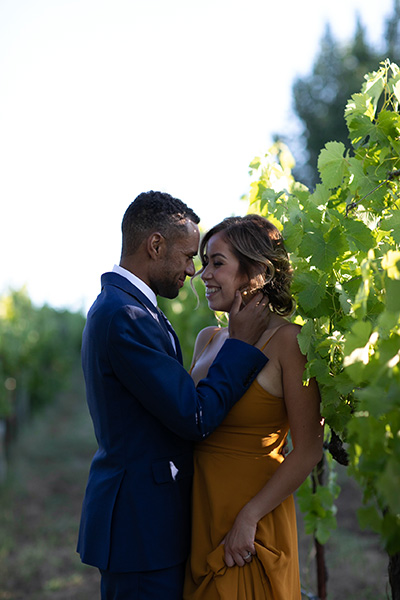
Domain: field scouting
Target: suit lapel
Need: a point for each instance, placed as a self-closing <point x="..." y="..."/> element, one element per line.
<point x="124" y="284"/>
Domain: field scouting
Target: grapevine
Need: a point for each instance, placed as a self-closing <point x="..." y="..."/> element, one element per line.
<point x="343" y="239"/>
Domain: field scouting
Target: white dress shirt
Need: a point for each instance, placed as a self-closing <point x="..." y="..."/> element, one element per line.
<point x="141" y="285"/>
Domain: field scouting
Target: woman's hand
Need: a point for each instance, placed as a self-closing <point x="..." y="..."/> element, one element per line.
<point x="239" y="541"/>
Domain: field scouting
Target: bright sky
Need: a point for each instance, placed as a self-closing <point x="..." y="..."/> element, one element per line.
<point x="103" y="99"/>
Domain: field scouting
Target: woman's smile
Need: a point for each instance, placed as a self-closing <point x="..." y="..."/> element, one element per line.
<point x="221" y="274"/>
<point x="210" y="291"/>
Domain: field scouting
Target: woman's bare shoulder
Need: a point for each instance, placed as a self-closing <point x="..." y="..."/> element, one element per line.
<point x="203" y="337"/>
<point x="205" y="334"/>
<point x="288" y="332"/>
<point x="290" y="329"/>
<point x="287" y="343"/>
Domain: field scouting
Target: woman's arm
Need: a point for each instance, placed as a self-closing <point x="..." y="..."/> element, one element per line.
<point x="306" y="426"/>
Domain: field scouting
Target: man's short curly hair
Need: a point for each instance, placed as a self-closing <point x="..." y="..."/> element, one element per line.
<point x="154" y="211"/>
<point x="258" y="246"/>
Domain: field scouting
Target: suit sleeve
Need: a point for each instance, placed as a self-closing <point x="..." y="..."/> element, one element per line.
<point x="164" y="387"/>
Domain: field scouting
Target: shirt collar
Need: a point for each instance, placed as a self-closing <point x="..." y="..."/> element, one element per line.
<point x="141" y="285"/>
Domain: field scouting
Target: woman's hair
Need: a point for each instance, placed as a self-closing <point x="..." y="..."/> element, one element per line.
<point x="259" y="248"/>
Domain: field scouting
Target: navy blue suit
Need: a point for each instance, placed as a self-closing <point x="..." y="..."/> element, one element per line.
<point x="146" y="413"/>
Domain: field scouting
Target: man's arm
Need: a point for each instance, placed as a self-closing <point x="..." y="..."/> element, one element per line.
<point x="162" y="385"/>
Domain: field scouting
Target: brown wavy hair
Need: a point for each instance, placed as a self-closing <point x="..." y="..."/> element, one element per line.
<point x="258" y="246"/>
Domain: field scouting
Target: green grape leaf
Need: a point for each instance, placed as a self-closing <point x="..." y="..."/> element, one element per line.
<point x="319" y="369"/>
<point x="374" y="86"/>
<point x="312" y="288"/>
<point x="256" y="190"/>
<point x="255" y="163"/>
<point x="323" y="249"/>
<point x="345" y="300"/>
<point x="356" y="351"/>
<point x="391" y="263"/>
<point x="358" y="336"/>
<point x="269" y="198"/>
<point x="359" y="115"/>
<point x="360" y="184"/>
<point x="294" y="211"/>
<point x="369" y="518"/>
<point x="324" y="528"/>
<point x="306" y="336"/>
<point x="320" y="196"/>
<point x="396" y="90"/>
<point x="326" y="498"/>
<point x="387" y="321"/>
<point x="332" y="165"/>
<point x="372" y="401"/>
<point x="388" y="485"/>
<point x="391" y="223"/>
<point x="337" y="240"/>
<point x="293" y="235"/>
<point x="335" y="411"/>
<point x="310" y="523"/>
<point x="358" y="235"/>
<point x="388" y="125"/>
<point x="393" y="295"/>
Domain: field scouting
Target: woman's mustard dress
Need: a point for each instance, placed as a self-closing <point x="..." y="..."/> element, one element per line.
<point x="231" y="466"/>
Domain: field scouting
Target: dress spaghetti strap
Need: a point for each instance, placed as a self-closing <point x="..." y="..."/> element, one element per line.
<point x="220" y="329"/>
<point x="272" y="335"/>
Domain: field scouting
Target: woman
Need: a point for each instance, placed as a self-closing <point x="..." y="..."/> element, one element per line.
<point x="244" y="537"/>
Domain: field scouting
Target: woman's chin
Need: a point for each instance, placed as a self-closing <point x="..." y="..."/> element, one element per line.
<point x="217" y="307"/>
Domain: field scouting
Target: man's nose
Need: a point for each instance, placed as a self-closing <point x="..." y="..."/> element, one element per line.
<point x="190" y="271"/>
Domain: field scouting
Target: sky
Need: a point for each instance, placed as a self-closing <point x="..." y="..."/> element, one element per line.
<point x="101" y="100"/>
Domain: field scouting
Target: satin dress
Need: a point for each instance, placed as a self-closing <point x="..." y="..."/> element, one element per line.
<point x="231" y="466"/>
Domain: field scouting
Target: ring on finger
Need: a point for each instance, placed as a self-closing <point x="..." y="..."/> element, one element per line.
<point x="248" y="555"/>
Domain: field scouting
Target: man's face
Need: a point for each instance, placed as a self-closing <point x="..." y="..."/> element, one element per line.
<point x="177" y="262"/>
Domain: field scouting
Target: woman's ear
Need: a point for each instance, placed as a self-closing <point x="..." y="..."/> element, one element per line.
<point x="156" y="245"/>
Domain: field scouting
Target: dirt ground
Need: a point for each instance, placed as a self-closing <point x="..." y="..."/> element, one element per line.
<point x="40" y="506"/>
<point x="356" y="564"/>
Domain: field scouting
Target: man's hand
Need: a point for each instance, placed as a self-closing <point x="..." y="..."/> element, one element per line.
<point x="247" y="324"/>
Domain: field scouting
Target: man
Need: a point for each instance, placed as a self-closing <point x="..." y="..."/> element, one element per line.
<point x="146" y="411"/>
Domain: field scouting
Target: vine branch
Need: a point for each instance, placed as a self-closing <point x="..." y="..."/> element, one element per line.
<point x="390" y="177"/>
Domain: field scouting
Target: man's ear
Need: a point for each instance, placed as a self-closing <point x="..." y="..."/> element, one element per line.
<point x="156" y="245"/>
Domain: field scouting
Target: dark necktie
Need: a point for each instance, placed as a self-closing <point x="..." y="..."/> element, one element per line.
<point x="166" y="325"/>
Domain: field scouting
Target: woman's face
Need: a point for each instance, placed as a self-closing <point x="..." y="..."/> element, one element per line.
<point x="221" y="274"/>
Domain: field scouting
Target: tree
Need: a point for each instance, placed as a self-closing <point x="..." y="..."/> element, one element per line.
<point x="392" y="36"/>
<point x="320" y="98"/>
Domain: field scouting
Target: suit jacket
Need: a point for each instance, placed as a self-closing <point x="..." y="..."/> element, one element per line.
<point x="146" y="413"/>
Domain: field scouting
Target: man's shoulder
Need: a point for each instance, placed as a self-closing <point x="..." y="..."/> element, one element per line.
<point x="116" y="297"/>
